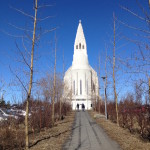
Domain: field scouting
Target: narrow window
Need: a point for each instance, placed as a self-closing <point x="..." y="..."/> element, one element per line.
<point x="80" y="87"/>
<point x="82" y="46"/>
<point x="76" y="46"/>
<point x="85" y="82"/>
<point x="93" y="87"/>
<point x="79" y="45"/>
<point x="77" y="84"/>
<point x="74" y="87"/>
<point x="87" y="87"/>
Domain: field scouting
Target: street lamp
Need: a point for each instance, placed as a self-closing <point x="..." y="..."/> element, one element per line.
<point x="105" y="97"/>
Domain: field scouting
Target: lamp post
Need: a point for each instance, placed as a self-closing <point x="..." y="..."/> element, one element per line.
<point x="105" y="97"/>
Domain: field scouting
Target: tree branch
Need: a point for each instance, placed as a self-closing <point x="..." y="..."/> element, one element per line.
<point x="132" y="27"/>
<point x="42" y="19"/>
<point x="24" y="59"/>
<point x="44" y="6"/>
<point x="136" y="15"/>
<point x="47" y="31"/>
<point x="22" y="12"/>
<point x="15" y="36"/>
<point x="18" y="79"/>
<point x="19" y="27"/>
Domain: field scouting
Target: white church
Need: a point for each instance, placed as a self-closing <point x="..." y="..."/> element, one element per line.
<point x="81" y="81"/>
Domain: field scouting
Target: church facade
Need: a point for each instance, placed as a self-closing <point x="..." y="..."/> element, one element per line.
<point x="81" y="81"/>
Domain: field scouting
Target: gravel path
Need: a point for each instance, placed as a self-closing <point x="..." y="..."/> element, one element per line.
<point x="87" y="135"/>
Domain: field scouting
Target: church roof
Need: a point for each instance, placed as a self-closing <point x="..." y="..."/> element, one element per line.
<point x="80" y="34"/>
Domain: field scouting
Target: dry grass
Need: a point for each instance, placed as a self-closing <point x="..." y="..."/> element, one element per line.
<point x="54" y="138"/>
<point x="11" y="138"/>
<point x="11" y="135"/>
<point x="126" y="140"/>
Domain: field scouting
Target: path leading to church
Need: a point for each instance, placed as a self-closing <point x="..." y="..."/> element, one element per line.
<point x="87" y="135"/>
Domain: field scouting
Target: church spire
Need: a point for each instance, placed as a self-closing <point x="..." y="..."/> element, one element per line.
<point x="80" y="57"/>
<point x="80" y="42"/>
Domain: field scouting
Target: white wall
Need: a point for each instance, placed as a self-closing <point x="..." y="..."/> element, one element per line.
<point x="84" y="75"/>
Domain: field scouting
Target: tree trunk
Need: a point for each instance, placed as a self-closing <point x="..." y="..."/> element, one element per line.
<point x="149" y="89"/>
<point x="106" y="84"/>
<point x="54" y="89"/>
<point x="60" y="103"/>
<point x="31" y="78"/>
<point x="60" y="109"/>
<point x="99" y="84"/>
<point x="115" y="93"/>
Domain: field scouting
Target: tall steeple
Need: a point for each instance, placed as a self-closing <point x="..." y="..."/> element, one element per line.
<point x="80" y="42"/>
<point x="80" y="58"/>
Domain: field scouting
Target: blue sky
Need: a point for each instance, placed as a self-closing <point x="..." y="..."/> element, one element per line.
<point x="97" y="22"/>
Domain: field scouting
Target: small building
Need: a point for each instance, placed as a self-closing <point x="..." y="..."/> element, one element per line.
<point x="81" y="81"/>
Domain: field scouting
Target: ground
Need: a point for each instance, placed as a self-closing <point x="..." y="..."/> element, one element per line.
<point x="54" y="138"/>
<point x="126" y="140"/>
<point x="87" y="135"/>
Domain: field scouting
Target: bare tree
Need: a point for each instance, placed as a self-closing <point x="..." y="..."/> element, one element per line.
<point x="138" y="93"/>
<point x="106" y="81"/>
<point x="28" y="91"/>
<point x="149" y="90"/>
<point x="114" y="81"/>
<point x="142" y="57"/>
<point x="54" y="85"/>
<point x="2" y="85"/>
<point x="99" y="84"/>
<point x="33" y="37"/>
<point x="31" y="78"/>
<point x="60" y="103"/>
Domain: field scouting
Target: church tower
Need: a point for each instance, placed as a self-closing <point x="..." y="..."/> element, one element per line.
<point x="81" y="81"/>
<point x="80" y="58"/>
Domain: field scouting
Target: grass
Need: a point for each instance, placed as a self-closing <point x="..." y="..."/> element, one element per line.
<point x="53" y="138"/>
<point x="12" y="136"/>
